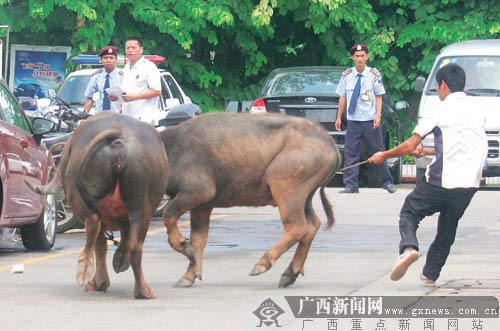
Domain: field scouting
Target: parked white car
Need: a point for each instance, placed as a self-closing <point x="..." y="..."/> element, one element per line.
<point x="480" y="60"/>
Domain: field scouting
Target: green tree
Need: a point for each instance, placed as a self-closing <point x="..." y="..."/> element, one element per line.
<point x="225" y="48"/>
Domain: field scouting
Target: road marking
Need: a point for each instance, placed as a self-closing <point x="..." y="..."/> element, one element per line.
<point x="78" y="250"/>
<point x="40" y="259"/>
<point x="74" y="251"/>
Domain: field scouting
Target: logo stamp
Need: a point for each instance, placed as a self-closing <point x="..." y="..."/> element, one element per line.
<point x="268" y="313"/>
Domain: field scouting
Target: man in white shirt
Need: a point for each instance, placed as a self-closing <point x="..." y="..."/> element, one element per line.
<point x="451" y="179"/>
<point x="141" y="83"/>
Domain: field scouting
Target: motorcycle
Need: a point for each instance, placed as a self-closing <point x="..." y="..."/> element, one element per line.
<point x="66" y="119"/>
<point x="65" y="220"/>
<point x="64" y="115"/>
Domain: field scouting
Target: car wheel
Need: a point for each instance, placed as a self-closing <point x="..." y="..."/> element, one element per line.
<point x="163" y="203"/>
<point x="41" y="235"/>
<point x="65" y="218"/>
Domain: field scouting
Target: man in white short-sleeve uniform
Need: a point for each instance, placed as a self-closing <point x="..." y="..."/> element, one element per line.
<point x="141" y="83"/>
<point x="452" y="178"/>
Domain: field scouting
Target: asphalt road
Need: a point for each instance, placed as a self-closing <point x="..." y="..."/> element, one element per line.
<point x="354" y="260"/>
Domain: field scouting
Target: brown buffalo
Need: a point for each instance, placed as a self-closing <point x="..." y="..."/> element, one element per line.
<point x="114" y="172"/>
<point x="225" y="160"/>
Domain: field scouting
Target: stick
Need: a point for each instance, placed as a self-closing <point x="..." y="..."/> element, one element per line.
<point x="353" y="165"/>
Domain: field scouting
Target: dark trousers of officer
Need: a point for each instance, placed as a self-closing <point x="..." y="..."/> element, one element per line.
<point x="425" y="200"/>
<point x="358" y="131"/>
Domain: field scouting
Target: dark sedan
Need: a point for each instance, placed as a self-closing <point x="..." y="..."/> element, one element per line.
<point x="23" y="158"/>
<point x="310" y="92"/>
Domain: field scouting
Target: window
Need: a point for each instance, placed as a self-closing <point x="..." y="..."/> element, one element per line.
<point x="73" y="89"/>
<point x="304" y="83"/>
<point x="176" y="93"/>
<point x="481" y="74"/>
<point x="11" y="111"/>
<point x="165" y="91"/>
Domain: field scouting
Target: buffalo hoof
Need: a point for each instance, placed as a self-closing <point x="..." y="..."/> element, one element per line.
<point x="184" y="282"/>
<point x="84" y="269"/>
<point x="287" y="280"/>
<point x="189" y="251"/>
<point x="145" y="293"/>
<point x="93" y="287"/>
<point x="258" y="269"/>
<point x="121" y="260"/>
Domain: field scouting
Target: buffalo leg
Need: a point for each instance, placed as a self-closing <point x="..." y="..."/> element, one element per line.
<point x="295" y="229"/>
<point x="121" y="261"/>
<point x="183" y="202"/>
<point x="297" y="264"/>
<point x="101" y="278"/>
<point x="138" y="229"/>
<point x="200" y="220"/>
<point x="85" y="267"/>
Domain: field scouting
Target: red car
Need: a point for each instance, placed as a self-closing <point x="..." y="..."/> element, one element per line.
<point x="22" y="157"/>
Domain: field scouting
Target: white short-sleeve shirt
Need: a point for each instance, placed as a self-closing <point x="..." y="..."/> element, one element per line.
<point x="460" y="142"/>
<point x="96" y="84"/>
<point x="371" y="86"/>
<point x="142" y="77"/>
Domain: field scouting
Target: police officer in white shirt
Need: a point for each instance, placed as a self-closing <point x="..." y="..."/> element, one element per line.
<point x="141" y="83"/>
<point x="108" y="77"/>
<point x="361" y="90"/>
<point x="452" y="178"/>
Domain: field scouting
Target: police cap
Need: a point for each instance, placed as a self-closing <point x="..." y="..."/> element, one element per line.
<point x="358" y="47"/>
<point x="109" y="50"/>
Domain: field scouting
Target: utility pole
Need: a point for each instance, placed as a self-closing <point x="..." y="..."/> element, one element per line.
<point x="1" y="56"/>
<point x="6" y="45"/>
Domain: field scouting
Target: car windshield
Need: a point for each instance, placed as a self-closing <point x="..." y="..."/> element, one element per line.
<point x="482" y="74"/>
<point x="304" y="83"/>
<point x="73" y="89"/>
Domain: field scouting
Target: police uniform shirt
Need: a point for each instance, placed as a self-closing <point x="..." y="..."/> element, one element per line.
<point x="142" y="77"/>
<point x="371" y="86"/>
<point x="459" y="140"/>
<point x="96" y="84"/>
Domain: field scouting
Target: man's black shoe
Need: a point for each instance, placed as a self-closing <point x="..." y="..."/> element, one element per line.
<point x="350" y="190"/>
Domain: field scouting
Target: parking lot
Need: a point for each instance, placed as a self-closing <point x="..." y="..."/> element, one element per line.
<point x="354" y="259"/>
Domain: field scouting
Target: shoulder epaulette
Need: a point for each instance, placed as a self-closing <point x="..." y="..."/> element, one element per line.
<point x="347" y="72"/>
<point x="375" y="72"/>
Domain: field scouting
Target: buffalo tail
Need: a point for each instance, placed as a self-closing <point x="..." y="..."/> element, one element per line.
<point x="94" y="143"/>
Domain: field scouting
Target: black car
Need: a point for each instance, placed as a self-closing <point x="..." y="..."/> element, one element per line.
<point x="310" y="92"/>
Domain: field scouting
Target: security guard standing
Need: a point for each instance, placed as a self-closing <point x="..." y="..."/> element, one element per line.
<point x="106" y="78"/>
<point x="361" y="89"/>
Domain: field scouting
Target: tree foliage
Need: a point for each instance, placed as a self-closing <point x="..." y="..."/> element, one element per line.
<point x="225" y="48"/>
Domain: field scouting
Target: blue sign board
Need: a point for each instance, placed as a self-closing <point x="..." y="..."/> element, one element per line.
<point x="36" y="69"/>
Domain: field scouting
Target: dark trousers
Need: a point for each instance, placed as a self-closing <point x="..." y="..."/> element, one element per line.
<point x="363" y="131"/>
<point x="425" y="200"/>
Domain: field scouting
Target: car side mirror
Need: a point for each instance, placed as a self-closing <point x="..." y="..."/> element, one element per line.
<point x="401" y="105"/>
<point x="42" y="125"/>
<point x="51" y="93"/>
<point x="419" y="84"/>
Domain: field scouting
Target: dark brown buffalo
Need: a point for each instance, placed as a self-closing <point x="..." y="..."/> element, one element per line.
<point x="114" y="172"/>
<point x="225" y="160"/>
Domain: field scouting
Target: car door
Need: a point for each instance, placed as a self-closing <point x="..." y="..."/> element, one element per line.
<point x="10" y="168"/>
<point x="22" y="159"/>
